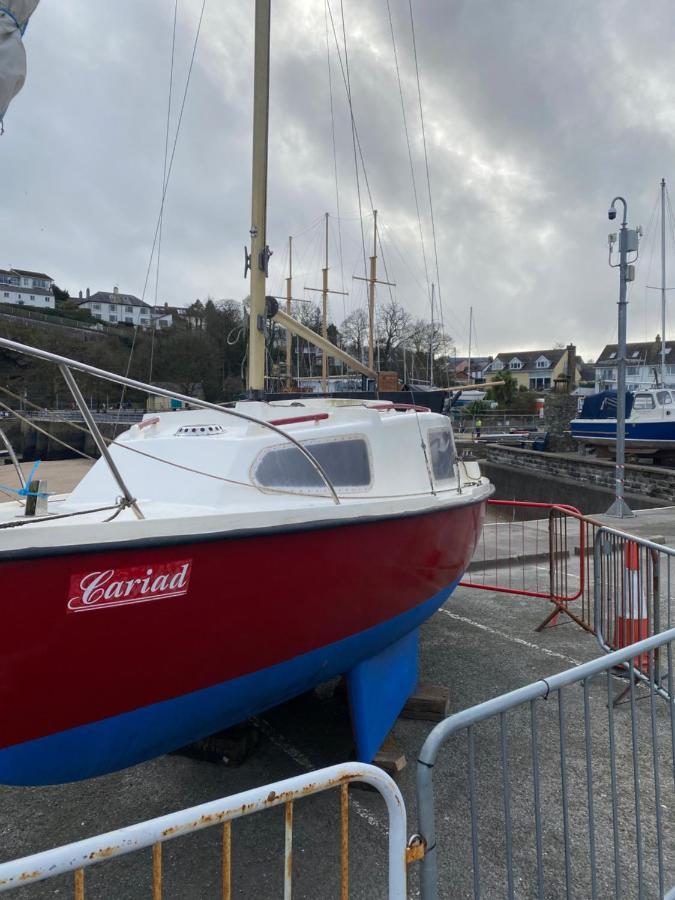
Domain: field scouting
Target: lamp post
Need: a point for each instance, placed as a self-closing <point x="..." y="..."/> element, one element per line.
<point x="628" y="243"/>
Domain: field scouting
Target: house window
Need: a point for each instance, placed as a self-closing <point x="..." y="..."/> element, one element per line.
<point x="497" y="365"/>
<point x="346" y="462"/>
<point x="113" y="318"/>
<point x="113" y="307"/>
<point x="129" y="320"/>
<point x="128" y="309"/>
<point x="635" y="355"/>
<point x="612" y="356"/>
<point x="632" y="370"/>
<point x="32" y="297"/>
<point x="95" y="305"/>
<point x="6" y="294"/>
<point x="515" y="364"/>
<point x="47" y="299"/>
<point x="542" y="364"/>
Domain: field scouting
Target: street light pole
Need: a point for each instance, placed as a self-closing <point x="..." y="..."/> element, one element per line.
<point x="628" y="243"/>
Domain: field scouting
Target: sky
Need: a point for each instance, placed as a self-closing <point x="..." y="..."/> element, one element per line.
<point x="537" y="113"/>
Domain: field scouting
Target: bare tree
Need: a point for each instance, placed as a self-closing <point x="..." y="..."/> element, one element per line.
<point x="355" y="332"/>
<point x="394" y="325"/>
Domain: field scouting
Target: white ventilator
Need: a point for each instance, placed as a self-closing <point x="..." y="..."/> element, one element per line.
<point x="14" y="16"/>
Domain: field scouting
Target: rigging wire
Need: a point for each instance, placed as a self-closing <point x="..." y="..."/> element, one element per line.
<point x="410" y="159"/>
<point x="164" y="181"/>
<point x="174" y="145"/>
<point x="161" y="217"/>
<point x="426" y="164"/>
<point x="335" y="165"/>
<point x="353" y="124"/>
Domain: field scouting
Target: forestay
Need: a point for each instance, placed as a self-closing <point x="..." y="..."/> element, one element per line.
<point x="14" y="16"/>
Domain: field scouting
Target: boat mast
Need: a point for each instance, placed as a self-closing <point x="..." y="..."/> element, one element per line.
<point x="371" y="293"/>
<point x="324" y="317"/>
<point x="372" y="281"/>
<point x="260" y="252"/>
<point x="470" y="324"/>
<point x="663" y="282"/>
<point x="289" y="336"/>
<point x="431" y="339"/>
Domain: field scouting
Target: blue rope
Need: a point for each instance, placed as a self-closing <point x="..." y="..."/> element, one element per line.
<point x="25" y="491"/>
<point x="8" y="12"/>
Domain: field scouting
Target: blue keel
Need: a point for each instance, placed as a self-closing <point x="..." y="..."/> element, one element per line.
<point x="378" y="689"/>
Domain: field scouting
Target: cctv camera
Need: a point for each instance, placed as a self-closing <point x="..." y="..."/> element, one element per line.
<point x="611" y="213"/>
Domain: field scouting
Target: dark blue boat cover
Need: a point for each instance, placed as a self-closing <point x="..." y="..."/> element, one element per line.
<point x="603" y="405"/>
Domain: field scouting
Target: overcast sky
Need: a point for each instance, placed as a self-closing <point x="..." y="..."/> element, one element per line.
<point x="537" y="113"/>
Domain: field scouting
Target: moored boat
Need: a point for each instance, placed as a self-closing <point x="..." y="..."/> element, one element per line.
<point x="650" y="421"/>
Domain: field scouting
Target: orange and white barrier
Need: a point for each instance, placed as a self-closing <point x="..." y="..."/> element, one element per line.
<point x="632" y="623"/>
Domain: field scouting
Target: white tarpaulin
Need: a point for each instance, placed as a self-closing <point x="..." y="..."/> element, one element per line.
<point x="14" y="16"/>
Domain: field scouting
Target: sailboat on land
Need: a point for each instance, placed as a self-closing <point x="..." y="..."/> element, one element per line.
<point x="217" y="561"/>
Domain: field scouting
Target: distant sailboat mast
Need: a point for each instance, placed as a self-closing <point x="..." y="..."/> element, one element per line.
<point x="663" y="282"/>
<point x="470" y="335"/>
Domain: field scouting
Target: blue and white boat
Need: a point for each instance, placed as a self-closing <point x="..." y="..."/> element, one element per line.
<point x="650" y="421"/>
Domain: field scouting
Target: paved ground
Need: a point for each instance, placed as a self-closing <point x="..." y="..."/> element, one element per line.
<point x="61" y="475"/>
<point x="481" y="644"/>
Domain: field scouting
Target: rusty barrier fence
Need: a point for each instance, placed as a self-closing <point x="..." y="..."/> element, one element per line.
<point x="77" y="858"/>
<point x="548" y="792"/>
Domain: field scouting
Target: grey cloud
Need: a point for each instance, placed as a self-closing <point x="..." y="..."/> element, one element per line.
<point x="537" y="114"/>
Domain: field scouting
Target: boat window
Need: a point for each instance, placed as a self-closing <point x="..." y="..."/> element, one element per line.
<point x="664" y="398"/>
<point x="346" y="461"/>
<point x="644" y="401"/>
<point x="442" y="450"/>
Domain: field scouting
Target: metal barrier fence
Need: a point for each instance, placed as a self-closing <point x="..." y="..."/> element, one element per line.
<point x="526" y="549"/>
<point x="603" y="826"/>
<point x="77" y="857"/>
<point x="614" y="585"/>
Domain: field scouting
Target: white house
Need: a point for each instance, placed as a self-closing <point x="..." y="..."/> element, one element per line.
<point x="643" y="365"/>
<point x="115" y="308"/>
<point x="24" y="288"/>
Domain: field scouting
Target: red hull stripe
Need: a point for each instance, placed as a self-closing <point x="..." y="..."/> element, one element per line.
<point x="132" y="737"/>
<point x="252" y="603"/>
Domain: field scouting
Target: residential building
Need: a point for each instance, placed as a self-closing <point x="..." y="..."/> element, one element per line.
<point x="643" y="365"/>
<point x="115" y="308"/>
<point x="538" y="370"/>
<point x="24" y="288"/>
<point x="458" y="369"/>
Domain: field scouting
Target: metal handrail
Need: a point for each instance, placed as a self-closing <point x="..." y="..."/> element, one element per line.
<point x="104" y="375"/>
<point x="76" y="856"/>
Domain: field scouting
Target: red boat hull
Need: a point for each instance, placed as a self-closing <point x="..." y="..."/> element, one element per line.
<point x="87" y="637"/>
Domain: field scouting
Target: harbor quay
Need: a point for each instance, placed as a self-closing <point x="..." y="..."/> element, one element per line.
<point x="481" y="644"/>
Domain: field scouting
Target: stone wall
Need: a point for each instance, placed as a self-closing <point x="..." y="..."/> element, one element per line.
<point x="559" y="410"/>
<point x="649" y="482"/>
